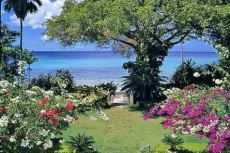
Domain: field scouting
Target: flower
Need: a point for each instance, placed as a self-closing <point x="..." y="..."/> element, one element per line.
<point x="69" y="106"/>
<point x="25" y="142"/>
<point x="62" y="141"/>
<point x="54" y="121"/>
<point x="48" y="144"/>
<point x="12" y="139"/>
<point x="174" y="135"/>
<point x="38" y="142"/>
<point x="218" y="81"/>
<point x="196" y="74"/>
<point x="44" y="132"/>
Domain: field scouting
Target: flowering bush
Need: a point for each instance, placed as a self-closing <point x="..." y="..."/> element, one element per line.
<point x="202" y="112"/>
<point x="30" y="120"/>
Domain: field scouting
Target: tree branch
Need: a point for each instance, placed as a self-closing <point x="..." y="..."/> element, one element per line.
<point x="125" y="42"/>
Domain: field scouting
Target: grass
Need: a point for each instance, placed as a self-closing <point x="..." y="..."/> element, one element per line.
<point x="126" y="132"/>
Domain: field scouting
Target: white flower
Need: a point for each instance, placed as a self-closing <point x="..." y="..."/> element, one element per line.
<point x="44" y="132"/>
<point x="42" y="111"/>
<point x="62" y="141"/>
<point x="25" y="142"/>
<point x="49" y="93"/>
<point x="68" y="119"/>
<point x="218" y="81"/>
<point x="52" y="136"/>
<point x="12" y="139"/>
<point x="48" y="144"/>
<point x="196" y="74"/>
<point x="174" y="135"/>
<point x="4" y="120"/>
<point x="38" y="142"/>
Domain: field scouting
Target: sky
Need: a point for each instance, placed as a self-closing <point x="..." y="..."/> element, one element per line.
<point x="34" y="40"/>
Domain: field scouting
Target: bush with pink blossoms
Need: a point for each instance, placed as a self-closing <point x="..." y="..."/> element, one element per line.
<point x="197" y="111"/>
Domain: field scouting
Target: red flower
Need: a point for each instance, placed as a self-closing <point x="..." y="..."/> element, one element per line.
<point x="44" y="101"/>
<point x="70" y="106"/>
<point x="54" y="121"/>
<point x="51" y="113"/>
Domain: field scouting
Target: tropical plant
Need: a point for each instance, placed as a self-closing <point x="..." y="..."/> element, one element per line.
<point x="143" y="81"/>
<point x="82" y="143"/>
<point x="109" y="87"/>
<point x="58" y="81"/>
<point x="172" y="141"/>
<point x="21" y="8"/>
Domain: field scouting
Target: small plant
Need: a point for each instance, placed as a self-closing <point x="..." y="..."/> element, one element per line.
<point x="173" y="141"/>
<point x="146" y="149"/>
<point x="82" y="143"/>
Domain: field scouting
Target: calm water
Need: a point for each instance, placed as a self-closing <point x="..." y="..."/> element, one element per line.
<point x="100" y="67"/>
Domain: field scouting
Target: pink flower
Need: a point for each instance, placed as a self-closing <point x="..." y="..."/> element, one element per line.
<point x="70" y="106"/>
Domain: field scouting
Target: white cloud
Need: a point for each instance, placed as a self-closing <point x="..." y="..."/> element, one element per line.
<point x="44" y="38"/>
<point x="45" y="12"/>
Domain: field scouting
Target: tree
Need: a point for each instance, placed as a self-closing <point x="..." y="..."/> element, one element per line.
<point x="10" y="54"/>
<point x="149" y="28"/>
<point x="21" y="9"/>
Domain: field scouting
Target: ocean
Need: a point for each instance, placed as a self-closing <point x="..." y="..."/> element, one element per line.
<point x="94" y="67"/>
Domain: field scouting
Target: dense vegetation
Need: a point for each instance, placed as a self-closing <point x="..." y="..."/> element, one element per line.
<point x="195" y="100"/>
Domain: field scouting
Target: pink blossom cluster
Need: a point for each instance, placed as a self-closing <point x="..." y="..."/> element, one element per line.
<point x="204" y="113"/>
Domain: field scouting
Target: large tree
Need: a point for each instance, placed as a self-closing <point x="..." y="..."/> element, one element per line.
<point x="149" y="28"/>
<point x="21" y="9"/>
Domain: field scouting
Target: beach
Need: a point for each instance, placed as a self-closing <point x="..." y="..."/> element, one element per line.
<point x="95" y="67"/>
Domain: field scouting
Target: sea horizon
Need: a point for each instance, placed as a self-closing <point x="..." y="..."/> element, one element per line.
<point x="95" y="67"/>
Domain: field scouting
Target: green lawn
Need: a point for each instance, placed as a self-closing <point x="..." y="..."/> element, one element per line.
<point x="126" y="132"/>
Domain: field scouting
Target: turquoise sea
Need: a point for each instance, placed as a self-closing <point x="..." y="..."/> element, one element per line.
<point x="94" y="67"/>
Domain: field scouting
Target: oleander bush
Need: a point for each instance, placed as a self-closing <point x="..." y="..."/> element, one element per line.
<point x="32" y="120"/>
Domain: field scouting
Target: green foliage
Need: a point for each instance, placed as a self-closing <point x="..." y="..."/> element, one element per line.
<point x="109" y="87"/>
<point x="58" y="81"/>
<point x="189" y="73"/>
<point x="143" y="81"/>
<point x="172" y="141"/>
<point x="82" y="143"/>
<point x="9" y="55"/>
<point x="95" y="95"/>
<point x="183" y="75"/>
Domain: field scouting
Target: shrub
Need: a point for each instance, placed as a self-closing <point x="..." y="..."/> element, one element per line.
<point x="58" y="81"/>
<point x="198" y="111"/>
<point x="31" y="120"/>
<point x="92" y="95"/>
<point x="82" y="143"/>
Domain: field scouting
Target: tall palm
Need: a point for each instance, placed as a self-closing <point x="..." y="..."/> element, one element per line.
<point x="21" y="8"/>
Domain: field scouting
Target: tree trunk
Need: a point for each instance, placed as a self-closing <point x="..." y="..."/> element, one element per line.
<point x="1" y="41"/>
<point x="21" y="28"/>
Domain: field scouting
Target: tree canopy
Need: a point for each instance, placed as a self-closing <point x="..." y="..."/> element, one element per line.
<point x="131" y="24"/>
<point x="149" y="28"/>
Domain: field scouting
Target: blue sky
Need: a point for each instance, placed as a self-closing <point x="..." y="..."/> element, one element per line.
<point x="33" y="39"/>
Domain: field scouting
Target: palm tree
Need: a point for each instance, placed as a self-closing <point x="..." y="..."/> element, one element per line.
<point x="21" y="8"/>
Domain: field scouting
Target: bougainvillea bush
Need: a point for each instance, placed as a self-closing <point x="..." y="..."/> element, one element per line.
<point x="197" y="111"/>
<point x="31" y="120"/>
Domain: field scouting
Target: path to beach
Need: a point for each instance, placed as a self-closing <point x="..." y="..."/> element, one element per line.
<point x="120" y="99"/>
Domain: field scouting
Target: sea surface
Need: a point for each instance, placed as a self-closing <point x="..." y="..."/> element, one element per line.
<point x="94" y="67"/>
